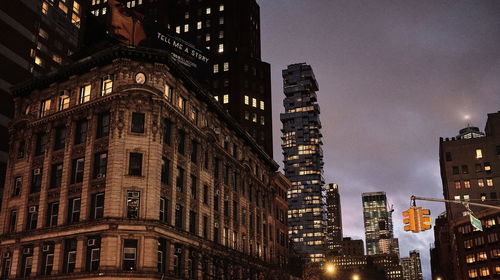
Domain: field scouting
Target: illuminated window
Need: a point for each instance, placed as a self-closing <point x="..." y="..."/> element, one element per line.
<point x="208" y="11"/>
<point x="226" y="99"/>
<point x="221" y="48"/>
<point x="484" y="271"/>
<point x="221" y="34"/>
<point x="247" y="115"/>
<point x="262" y="120"/>
<point x="207" y="37"/>
<point x="481" y="256"/>
<point x="216" y="97"/>
<point x="186" y="27"/>
<point x="487" y="166"/>
<point x="226" y="66"/>
<point x="44" y="107"/>
<point x="467" y="184"/>
<point x="254" y="102"/>
<point x="167" y="93"/>
<point x="63" y="102"/>
<point x="221" y="8"/>
<point x="63" y="7"/>
<point x="471" y="258"/>
<point x="472" y="273"/>
<point x="75" y="19"/>
<point x="254" y="117"/>
<point x="479" y="153"/>
<point x="76" y="8"/>
<point x="106" y="85"/>
<point x="84" y="94"/>
<point x="480" y="182"/>
<point x="181" y="103"/>
<point x="45" y="8"/>
<point x="466" y="197"/>
<point x="216" y="68"/>
<point x="198" y="25"/>
<point x="178" y="29"/>
<point x="186" y="15"/>
<point x="262" y="105"/>
<point x="38" y="61"/>
<point x="221" y="20"/>
<point x="247" y="100"/>
<point x="489" y="182"/>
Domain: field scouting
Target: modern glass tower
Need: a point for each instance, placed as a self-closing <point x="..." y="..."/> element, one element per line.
<point x="378" y="225"/>
<point x="334" y="219"/>
<point x="303" y="162"/>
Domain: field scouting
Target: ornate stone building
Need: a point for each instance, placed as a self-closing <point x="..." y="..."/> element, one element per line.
<point x="121" y="166"/>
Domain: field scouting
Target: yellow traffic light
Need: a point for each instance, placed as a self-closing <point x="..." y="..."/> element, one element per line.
<point x="425" y="222"/>
<point x="411" y="219"/>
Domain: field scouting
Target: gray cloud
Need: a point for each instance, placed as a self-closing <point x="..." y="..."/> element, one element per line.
<point x="394" y="76"/>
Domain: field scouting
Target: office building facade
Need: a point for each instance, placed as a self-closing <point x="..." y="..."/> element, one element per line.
<point x="378" y="225"/>
<point x="229" y="31"/>
<point x="412" y="267"/>
<point x="303" y="161"/>
<point x="114" y="173"/>
<point x="334" y="218"/>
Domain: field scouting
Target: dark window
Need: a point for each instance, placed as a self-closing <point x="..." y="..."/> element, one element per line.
<point x="165" y="170"/>
<point x="465" y="169"/>
<point x="194" y="151"/>
<point x="162" y="255"/>
<point x="93" y="253"/>
<point x="74" y="210"/>
<point x="455" y="170"/>
<point x="498" y="150"/>
<point x="226" y="174"/>
<point x="129" y="254"/>
<point x="60" y="139"/>
<point x="448" y="156"/>
<point x="216" y="168"/>
<point x="97" y="206"/>
<point x="138" y="122"/>
<point x="205" y="194"/>
<point x="163" y="210"/>
<point x="192" y="222"/>
<point x="227" y="211"/>
<point x="77" y="171"/>
<point x="21" y="149"/>
<point x="479" y="167"/>
<point x="80" y="132"/>
<point x="194" y="187"/>
<point x="7" y="261"/>
<point x="135" y="164"/>
<point x="216" y="232"/>
<point x="18" y="185"/>
<point x="47" y="258"/>
<point x="69" y="260"/>
<point x="205" y="226"/>
<point x="27" y="261"/>
<point x="13" y="220"/>
<point x="36" y="180"/>
<point x="32" y="219"/>
<point x="493" y="195"/>
<point x="179" y="216"/>
<point x="182" y="141"/>
<point x="167" y="131"/>
<point x="103" y="121"/>
<point x="41" y="141"/>
<point x="56" y="175"/>
<point x="235" y="213"/>
<point x="178" y="264"/>
<point x="133" y="204"/>
<point x="216" y="200"/>
<point x="206" y="160"/>
<point x="52" y="214"/>
<point x="100" y="165"/>
<point x="180" y="179"/>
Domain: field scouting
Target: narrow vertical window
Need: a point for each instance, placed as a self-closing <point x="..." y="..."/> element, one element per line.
<point x="80" y="132"/>
<point x="192" y="222"/>
<point x="77" y="170"/>
<point x="167" y="131"/>
<point x="165" y="170"/>
<point x="84" y="94"/>
<point x="97" y="206"/>
<point x="167" y="93"/>
<point x="180" y="179"/>
<point x="74" y="210"/>
<point x="69" y="261"/>
<point x="163" y="210"/>
<point x="135" y="164"/>
<point x="194" y="151"/>
<point x="41" y="142"/>
<point x="60" y="138"/>
<point x="47" y="258"/>
<point x="179" y="213"/>
<point x="93" y="253"/>
<point x="52" y="214"/>
<point x="138" y="120"/>
<point x="36" y="180"/>
<point x="479" y="153"/>
<point x="182" y="139"/>
<point x="44" y="108"/>
<point x="103" y="122"/>
<point x="63" y="102"/>
<point x="106" y="85"/>
<point x="194" y="187"/>
<point x="18" y="184"/>
<point x="12" y="220"/>
<point x="32" y="217"/>
<point x="133" y="203"/>
<point x="100" y="165"/>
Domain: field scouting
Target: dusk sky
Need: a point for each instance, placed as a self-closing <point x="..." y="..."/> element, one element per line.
<point x="394" y="76"/>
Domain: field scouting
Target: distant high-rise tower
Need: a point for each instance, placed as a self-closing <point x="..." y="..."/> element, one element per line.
<point x="334" y="218"/>
<point x="378" y="225"/>
<point x="303" y="159"/>
<point x="412" y="268"/>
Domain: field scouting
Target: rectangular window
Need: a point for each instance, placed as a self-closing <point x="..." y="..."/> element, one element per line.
<point x="225" y="99"/>
<point x="216" y="200"/>
<point x="479" y="153"/>
<point x="262" y="105"/>
<point x="221" y="48"/>
<point x="487" y="166"/>
<point x="162" y="255"/>
<point x="74" y="210"/>
<point x="44" y="108"/>
<point x="192" y="222"/>
<point x="167" y="93"/>
<point x="103" y="122"/>
<point x="77" y="171"/>
<point x="27" y="261"/>
<point x="180" y="179"/>
<point x="41" y="141"/>
<point x="93" y="253"/>
<point x="21" y="149"/>
<point x="97" y="206"/>
<point x="226" y="66"/>
<point x="465" y="169"/>
<point x="60" y="138"/>
<point x="167" y="131"/>
<point x="179" y="209"/>
<point x="205" y="194"/>
<point x="138" y="120"/>
<point x="84" y="94"/>
<point x="163" y="210"/>
<point x="129" y="254"/>
<point x="489" y="182"/>
<point x="133" y="203"/>
<point x="186" y="27"/>
<point x="205" y="226"/>
<point x="52" y="214"/>
<point x="80" y="132"/>
<point x="36" y="180"/>
<point x="254" y="102"/>
<point x="165" y="170"/>
<point x="181" y="103"/>
<point x="32" y="217"/>
<point x="100" y="165"/>
<point x="247" y="100"/>
<point x="480" y="183"/>
<point x="18" y="184"/>
<point x="194" y="151"/>
<point x="207" y="38"/>
<point x="455" y="170"/>
<point x="12" y="220"/>
<point x="106" y="85"/>
<point x="216" y="68"/>
<point x="194" y="115"/>
<point x="199" y="25"/>
<point x="467" y="184"/>
<point x="135" y="164"/>
<point x="194" y="187"/>
<point x="182" y="139"/>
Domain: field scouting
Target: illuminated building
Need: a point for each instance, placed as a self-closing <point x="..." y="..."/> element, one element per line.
<point x="377" y="267"/>
<point x="38" y="38"/>
<point x="334" y="218"/>
<point x="352" y="247"/>
<point x="469" y="172"/>
<point x="411" y="265"/>
<point x="303" y="160"/>
<point x="378" y="225"/>
<point x="230" y="32"/>
<point x="114" y="173"/>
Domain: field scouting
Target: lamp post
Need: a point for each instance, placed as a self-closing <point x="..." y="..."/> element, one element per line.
<point x="329" y="270"/>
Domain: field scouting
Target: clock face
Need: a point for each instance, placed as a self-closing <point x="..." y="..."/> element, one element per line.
<point x="140" y="78"/>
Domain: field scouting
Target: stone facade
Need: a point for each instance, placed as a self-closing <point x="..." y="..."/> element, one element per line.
<point x="139" y="174"/>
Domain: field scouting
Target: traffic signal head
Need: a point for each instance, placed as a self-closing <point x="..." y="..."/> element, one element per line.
<point x="411" y="220"/>
<point x="425" y="222"/>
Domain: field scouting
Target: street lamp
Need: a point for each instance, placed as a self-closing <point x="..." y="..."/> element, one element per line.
<point x="439" y="278"/>
<point x="355" y="277"/>
<point x="329" y="270"/>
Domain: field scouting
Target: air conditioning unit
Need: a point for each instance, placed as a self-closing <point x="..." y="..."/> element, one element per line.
<point x="134" y="194"/>
<point x="101" y="175"/>
<point x="179" y="250"/>
<point x="32" y="209"/>
<point x="27" y="251"/>
<point x="177" y="207"/>
<point x="91" y="242"/>
<point x="226" y="197"/>
<point x="217" y="192"/>
<point x="216" y="225"/>
<point x="6" y="255"/>
<point x="46" y="248"/>
<point x="36" y="171"/>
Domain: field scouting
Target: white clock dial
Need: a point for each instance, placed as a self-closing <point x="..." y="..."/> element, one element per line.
<point x="140" y="78"/>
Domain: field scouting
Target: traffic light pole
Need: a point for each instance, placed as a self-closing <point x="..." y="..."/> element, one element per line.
<point x="463" y="202"/>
